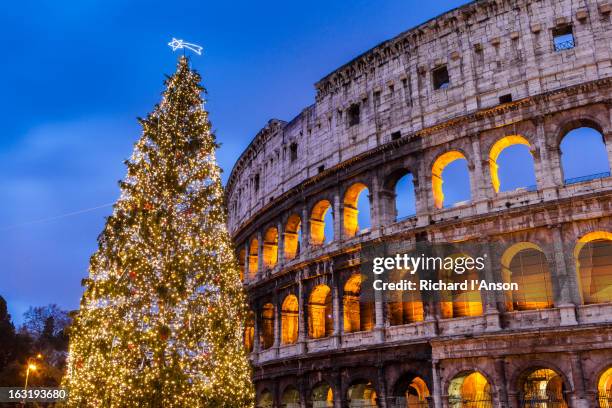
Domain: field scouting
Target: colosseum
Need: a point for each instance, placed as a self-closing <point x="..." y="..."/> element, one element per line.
<point x="458" y="89"/>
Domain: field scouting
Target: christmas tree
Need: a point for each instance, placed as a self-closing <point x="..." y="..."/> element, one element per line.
<point x="161" y="318"/>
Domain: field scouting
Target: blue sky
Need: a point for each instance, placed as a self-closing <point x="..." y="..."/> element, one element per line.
<point x="76" y="74"/>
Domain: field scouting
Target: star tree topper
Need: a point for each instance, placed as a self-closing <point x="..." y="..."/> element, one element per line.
<point x="176" y="44"/>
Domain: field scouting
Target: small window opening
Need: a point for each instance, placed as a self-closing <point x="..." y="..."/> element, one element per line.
<point x="294" y="151"/>
<point x="563" y="38"/>
<point x="321" y="169"/>
<point x="353" y="115"/>
<point x="396" y="135"/>
<point x="257" y="182"/>
<point x="440" y="77"/>
<point x="507" y="98"/>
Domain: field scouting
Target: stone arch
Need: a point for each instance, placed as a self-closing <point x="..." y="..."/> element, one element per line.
<point x="358" y="313"/>
<point x="495" y="151"/>
<point x="317" y="222"/>
<point x="525" y="263"/>
<point x="265" y="399"/>
<point x="293" y="236"/>
<point x="249" y="331"/>
<point x="241" y="261"/>
<point x="322" y="395"/>
<point x="460" y="302"/>
<point x="400" y="195"/>
<point x="362" y="393"/>
<point x="350" y="210"/>
<point x="593" y="258"/>
<point x="404" y="307"/>
<point x="290" y="398"/>
<point x="270" y="247"/>
<point x="604" y="387"/>
<point x="253" y="258"/>
<point x="267" y="326"/>
<point x="436" y="174"/>
<point x="599" y="153"/>
<point x="470" y="388"/>
<point x="410" y="390"/>
<point x="289" y="320"/>
<point x="320" y="312"/>
<point x="542" y="386"/>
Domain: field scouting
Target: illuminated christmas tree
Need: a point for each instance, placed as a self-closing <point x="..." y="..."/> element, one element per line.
<point x="161" y="318"/>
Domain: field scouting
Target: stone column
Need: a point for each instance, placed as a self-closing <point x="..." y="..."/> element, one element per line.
<point x="305" y="225"/>
<point x="578" y="399"/>
<point x="379" y="328"/>
<point x="247" y="275"/>
<point x="382" y="385"/>
<point x="489" y="298"/>
<point x="437" y="387"/>
<point x="336" y="302"/>
<point x="277" y="322"/>
<point x="260" y="244"/>
<point x="501" y="383"/>
<point x="302" y="323"/>
<point x="481" y="187"/>
<point x="256" y="334"/>
<point x="563" y="289"/>
<point x="281" y="244"/>
<point x="385" y="204"/>
<point x="374" y="197"/>
<point x="547" y="166"/>
<point x="338" y="214"/>
<point x="608" y="140"/>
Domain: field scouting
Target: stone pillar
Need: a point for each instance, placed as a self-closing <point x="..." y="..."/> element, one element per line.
<point x="256" y="334"/>
<point x="281" y="244"/>
<point x="437" y="387"/>
<point x="481" y="187"/>
<point x="563" y="297"/>
<point x="337" y="217"/>
<point x="305" y="225"/>
<point x="501" y="383"/>
<point x="337" y="390"/>
<point x="379" y="328"/>
<point x="578" y="399"/>
<point x="337" y="313"/>
<point x="608" y="141"/>
<point x="385" y="204"/>
<point x="547" y="162"/>
<point x="260" y="244"/>
<point x="277" y="322"/>
<point x="302" y="323"/>
<point x="374" y="197"/>
<point x="247" y="275"/>
<point x="491" y="312"/>
<point x="382" y="385"/>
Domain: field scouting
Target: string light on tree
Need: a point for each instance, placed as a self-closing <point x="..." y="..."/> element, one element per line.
<point x="162" y="315"/>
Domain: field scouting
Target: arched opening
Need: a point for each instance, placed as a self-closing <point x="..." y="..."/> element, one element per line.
<point x="362" y="395"/>
<point x="253" y="258"/>
<point x="289" y="320"/>
<point x="511" y="164"/>
<point x="404" y="307"/>
<point x="249" y="331"/>
<point x="358" y="312"/>
<point x="604" y="389"/>
<point x="293" y="237"/>
<point x="470" y="389"/>
<point x="405" y="200"/>
<point x="525" y="264"/>
<point x="356" y="210"/>
<point x="270" y="248"/>
<point x="290" y="398"/>
<point x="583" y="155"/>
<point x="450" y="169"/>
<point x="593" y="255"/>
<point x="542" y="387"/>
<point x="265" y="400"/>
<point x="410" y="392"/>
<point x="459" y="302"/>
<point x="322" y="396"/>
<point x="321" y="223"/>
<point x="267" y="326"/>
<point x="320" y="314"/>
<point x="241" y="261"/>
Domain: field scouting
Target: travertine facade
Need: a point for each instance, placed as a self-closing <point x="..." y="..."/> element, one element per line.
<point x="506" y="72"/>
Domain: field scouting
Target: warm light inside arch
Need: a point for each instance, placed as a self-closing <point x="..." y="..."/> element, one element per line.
<point x="270" y="247"/>
<point x="289" y="320"/>
<point x="350" y="210"/>
<point x="253" y="258"/>
<point x="436" y="174"/>
<point x="595" y="281"/>
<point x="496" y="150"/>
<point x="320" y="313"/>
<point x="292" y="237"/>
<point x="317" y="222"/>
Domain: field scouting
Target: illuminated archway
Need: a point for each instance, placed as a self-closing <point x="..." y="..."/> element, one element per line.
<point x="249" y="331"/>
<point x="604" y="389"/>
<point x="497" y="149"/>
<point x="320" y="314"/>
<point x="525" y="264"/>
<point x="267" y="326"/>
<point x="241" y="261"/>
<point x="410" y="391"/>
<point x="290" y="398"/>
<point x="404" y="307"/>
<point x="293" y="237"/>
<point x="318" y="235"/>
<point x="362" y="395"/>
<point x="358" y="313"/>
<point x="436" y="174"/>
<point x="469" y="389"/>
<point x="289" y="320"/>
<point x="265" y="400"/>
<point x="322" y="396"/>
<point x="353" y="220"/>
<point x="270" y="247"/>
<point x="584" y="155"/>
<point x="253" y="258"/>
<point x="593" y="256"/>
<point x="542" y="387"/>
<point x="459" y="302"/>
<point x="405" y="199"/>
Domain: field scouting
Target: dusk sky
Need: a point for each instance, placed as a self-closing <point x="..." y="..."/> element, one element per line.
<point x="76" y="74"/>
